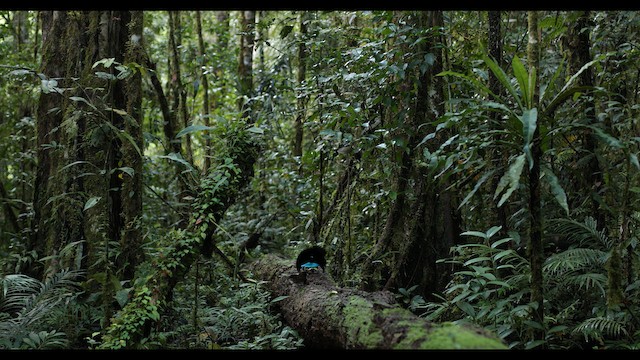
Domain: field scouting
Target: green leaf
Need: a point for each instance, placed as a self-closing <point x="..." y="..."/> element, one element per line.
<point x="475" y="233"/>
<point x="193" y="128"/>
<point x="562" y="96"/>
<point x="481" y="181"/>
<point x="49" y="86"/>
<point x="256" y="130"/>
<point x="493" y="231"/>
<point x="20" y="72"/>
<point x="608" y="139"/>
<point x="125" y="169"/>
<point x="118" y="111"/>
<point x="502" y="77"/>
<point x="529" y="120"/>
<point x="475" y="260"/>
<point x="466" y="307"/>
<point x="286" y="30"/>
<point x="502" y="254"/>
<point x="634" y="160"/>
<point x="122" y="297"/>
<point x="123" y="134"/>
<point x="105" y="75"/>
<point x="81" y="99"/>
<point x="500" y="242"/>
<point x="499" y="283"/>
<point x="91" y="202"/>
<point x="178" y="158"/>
<point x="577" y="74"/>
<point x="479" y="86"/>
<point x="533" y="344"/>
<point x="510" y="178"/>
<point x="279" y="298"/>
<point x="556" y="188"/>
<point x="73" y="164"/>
<point x="106" y="62"/>
<point x="523" y="79"/>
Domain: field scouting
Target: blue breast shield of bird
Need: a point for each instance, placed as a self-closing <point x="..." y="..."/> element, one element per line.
<point x="312" y="259"/>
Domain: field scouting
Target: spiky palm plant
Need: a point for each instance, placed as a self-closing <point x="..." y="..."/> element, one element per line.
<point x="25" y="304"/>
<point x="579" y="278"/>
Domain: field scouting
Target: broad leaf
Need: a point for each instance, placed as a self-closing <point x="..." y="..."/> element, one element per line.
<point x="523" y="79"/>
<point x="178" y="158"/>
<point x="192" y="128"/>
<point x="608" y="139"/>
<point x="529" y="122"/>
<point x="511" y="178"/>
<point x="91" y="203"/>
<point x="81" y="99"/>
<point x="476" y="187"/>
<point x="502" y="77"/>
<point x="556" y="188"/>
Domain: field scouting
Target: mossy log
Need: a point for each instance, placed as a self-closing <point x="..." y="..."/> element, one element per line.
<point x="328" y="316"/>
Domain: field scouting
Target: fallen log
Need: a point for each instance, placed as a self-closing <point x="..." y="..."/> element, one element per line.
<point x="328" y="316"/>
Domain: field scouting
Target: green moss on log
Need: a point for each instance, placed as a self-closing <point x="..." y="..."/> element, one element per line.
<point x="360" y="324"/>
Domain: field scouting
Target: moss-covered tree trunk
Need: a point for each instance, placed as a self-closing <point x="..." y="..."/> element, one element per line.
<point x="48" y="183"/>
<point x="131" y="242"/>
<point x="496" y="157"/>
<point x="578" y="51"/>
<point x="535" y="247"/>
<point x="177" y="88"/>
<point x="202" y="61"/>
<point x="245" y="61"/>
<point x="88" y="185"/>
<point x="327" y="316"/>
<point x="423" y="223"/>
<point x="216" y="192"/>
<point x="302" y="75"/>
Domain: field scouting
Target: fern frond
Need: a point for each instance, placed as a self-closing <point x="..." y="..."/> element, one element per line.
<point x="16" y="290"/>
<point x="598" y="327"/>
<point x="574" y="260"/>
<point x="30" y="301"/>
<point x="582" y="234"/>
<point x="589" y="281"/>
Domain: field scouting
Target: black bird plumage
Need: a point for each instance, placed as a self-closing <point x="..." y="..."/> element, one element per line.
<point x="314" y="254"/>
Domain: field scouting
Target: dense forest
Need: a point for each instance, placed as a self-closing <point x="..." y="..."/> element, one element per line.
<point x="467" y="171"/>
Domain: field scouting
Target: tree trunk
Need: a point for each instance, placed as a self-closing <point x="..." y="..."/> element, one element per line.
<point x="495" y="51"/>
<point x="48" y="158"/>
<point x="302" y="99"/>
<point x="131" y="242"/>
<point x="217" y="192"/>
<point x="536" y="249"/>
<point x="179" y="91"/>
<point x="20" y="29"/>
<point x="432" y="222"/>
<point x="74" y="210"/>
<point x="579" y="53"/>
<point x="245" y="61"/>
<point x="327" y="316"/>
<point x="205" y="88"/>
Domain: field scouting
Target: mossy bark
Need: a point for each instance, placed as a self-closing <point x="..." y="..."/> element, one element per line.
<point x="80" y="143"/>
<point x="131" y="195"/>
<point x="327" y="316"/>
<point x="217" y="191"/>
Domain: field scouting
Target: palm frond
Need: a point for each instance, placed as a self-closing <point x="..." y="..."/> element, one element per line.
<point x="589" y="281"/>
<point x="16" y="290"/>
<point x="572" y="260"/>
<point x="27" y="301"/>
<point x="582" y="234"/>
<point x="598" y="327"/>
